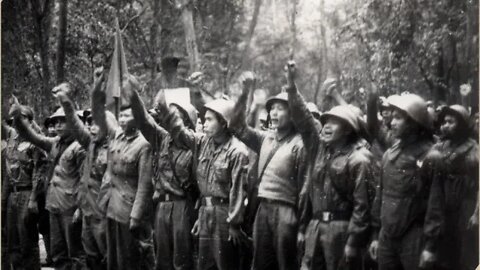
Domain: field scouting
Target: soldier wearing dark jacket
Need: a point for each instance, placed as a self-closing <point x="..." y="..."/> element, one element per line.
<point x="335" y="201"/>
<point x="174" y="183"/>
<point x="19" y="195"/>
<point x="94" y="166"/>
<point x="220" y="162"/>
<point x="67" y="155"/>
<point x="451" y="224"/>
<point x="126" y="191"/>
<point x="402" y="196"/>
<point x="281" y="176"/>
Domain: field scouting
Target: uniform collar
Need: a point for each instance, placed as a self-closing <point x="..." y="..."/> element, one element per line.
<point x="129" y="138"/>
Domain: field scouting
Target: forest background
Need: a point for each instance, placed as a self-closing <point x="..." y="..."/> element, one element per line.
<point x="429" y="47"/>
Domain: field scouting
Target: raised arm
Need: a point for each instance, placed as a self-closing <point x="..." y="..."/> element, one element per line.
<point x="152" y="132"/>
<point x="174" y="124"/>
<point x="249" y="136"/>
<point x="373" y="124"/>
<point x="301" y="116"/>
<point x="98" y="109"/>
<point x="23" y="127"/>
<point x="80" y="133"/>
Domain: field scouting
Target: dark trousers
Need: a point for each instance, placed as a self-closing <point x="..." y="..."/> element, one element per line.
<point x="173" y="240"/>
<point x="396" y="253"/>
<point x="44" y="224"/>
<point x="94" y="240"/>
<point x="22" y="233"/>
<point x="325" y="244"/>
<point x="214" y="249"/>
<point x="66" y="243"/>
<point x="124" y="251"/>
<point x="275" y="237"/>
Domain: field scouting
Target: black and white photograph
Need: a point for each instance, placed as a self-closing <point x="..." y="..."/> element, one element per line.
<point x="240" y="134"/>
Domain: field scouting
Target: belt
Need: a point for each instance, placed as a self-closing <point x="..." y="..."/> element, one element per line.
<point x="214" y="201"/>
<point x="167" y="197"/>
<point x="272" y="201"/>
<point x="326" y="216"/>
<point x="20" y="188"/>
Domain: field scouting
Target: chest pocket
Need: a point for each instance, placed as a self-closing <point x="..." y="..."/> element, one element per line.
<point x="221" y="172"/>
<point x="403" y="176"/>
<point x="129" y="165"/>
<point x="339" y="175"/>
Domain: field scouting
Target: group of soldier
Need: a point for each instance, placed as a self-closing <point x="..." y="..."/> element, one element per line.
<point x="199" y="187"/>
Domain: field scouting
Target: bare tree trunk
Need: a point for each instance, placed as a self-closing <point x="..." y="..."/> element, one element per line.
<point x="62" y="36"/>
<point x="251" y="30"/>
<point x="153" y="37"/>
<point x="41" y="11"/>
<point x="189" y="28"/>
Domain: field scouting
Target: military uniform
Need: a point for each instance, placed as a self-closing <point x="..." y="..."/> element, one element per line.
<point x="281" y="175"/>
<point x="335" y="199"/>
<point x="94" y="166"/>
<point x="128" y="178"/>
<point x="22" y="232"/>
<point x="221" y="172"/>
<point x="61" y="201"/>
<point x="175" y="187"/>
<point x="402" y="196"/>
<point x="453" y="201"/>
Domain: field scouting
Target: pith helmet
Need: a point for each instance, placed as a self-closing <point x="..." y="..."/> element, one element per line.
<point x="415" y="107"/>
<point x="346" y="113"/>
<point x="457" y="110"/>
<point x="189" y="110"/>
<point x="282" y="97"/>
<point x="222" y="107"/>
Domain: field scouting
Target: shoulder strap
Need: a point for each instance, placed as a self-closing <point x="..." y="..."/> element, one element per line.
<point x="271" y="154"/>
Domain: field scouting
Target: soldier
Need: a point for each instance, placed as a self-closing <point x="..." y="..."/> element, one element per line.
<point x="220" y="162"/>
<point x="280" y="174"/>
<point x="335" y="201"/>
<point x="402" y="195"/>
<point x="20" y="197"/>
<point x="175" y="187"/>
<point x="452" y="216"/>
<point x="128" y="188"/>
<point x="67" y="155"/>
<point x="95" y="163"/>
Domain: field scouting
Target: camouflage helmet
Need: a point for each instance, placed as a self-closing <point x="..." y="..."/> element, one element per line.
<point x="345" y="112"/>
<point x="189" y="110"/>
<point x="282" y="97"/>
<point x="458" y="111"/>
<point x="415" y="107"/>
<point x="223" y="107"/>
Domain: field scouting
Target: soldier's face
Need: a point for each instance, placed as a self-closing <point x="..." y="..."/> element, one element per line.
<point x="93" y="128"/>
<point x="51" y="131"/>
<point x="279" y="115"/>
<point x="400" y="124"/>
<point x="449" y="126"/>
<point x="334" y="130"/>
<point x="126" y="120"/>
<point x="61" y="127"/>
<point x="212" y="126"/>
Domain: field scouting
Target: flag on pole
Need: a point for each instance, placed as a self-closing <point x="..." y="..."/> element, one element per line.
<point x="118" y="68"/>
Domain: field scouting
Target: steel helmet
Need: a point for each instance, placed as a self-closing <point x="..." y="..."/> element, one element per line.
<point x="415" y="107"/>
<point x="346" y="113"/>
<point x="189" y="110"/>
<point x="282" y="97"/>
<point x="457" y="110"/>
<point x="222" y="107"/>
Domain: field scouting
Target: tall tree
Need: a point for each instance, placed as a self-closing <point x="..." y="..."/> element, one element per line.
<point x="190" y="40"/>
<point x="61" y="41"/>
